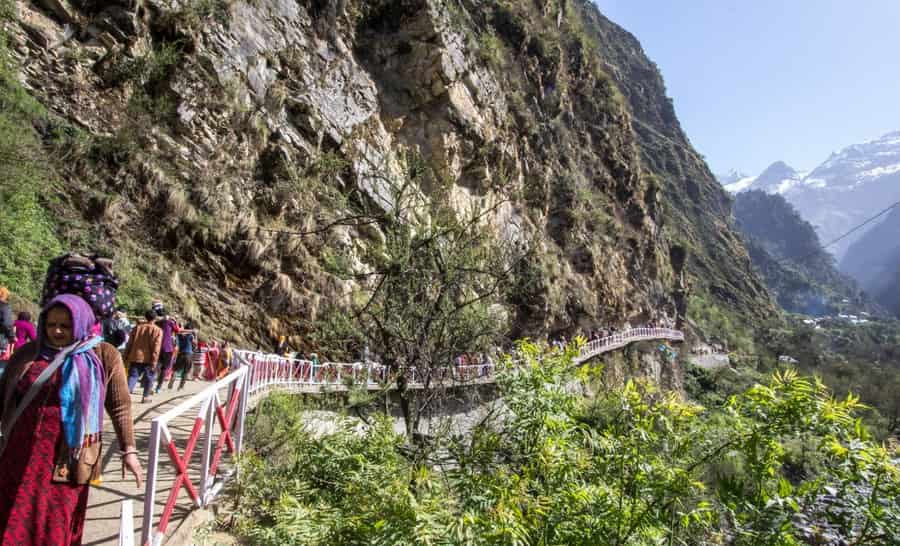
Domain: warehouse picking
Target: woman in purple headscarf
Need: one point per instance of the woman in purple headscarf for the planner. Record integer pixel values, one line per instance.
(53, 394)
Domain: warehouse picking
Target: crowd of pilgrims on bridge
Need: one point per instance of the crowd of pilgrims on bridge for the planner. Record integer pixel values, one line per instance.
(182, 353)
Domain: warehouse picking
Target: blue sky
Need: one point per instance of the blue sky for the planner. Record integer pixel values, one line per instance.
(755, 81)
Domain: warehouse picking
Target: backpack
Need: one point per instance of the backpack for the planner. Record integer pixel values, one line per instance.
(91, 278)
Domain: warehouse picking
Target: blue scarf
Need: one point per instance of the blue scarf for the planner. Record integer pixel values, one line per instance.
(82, 394)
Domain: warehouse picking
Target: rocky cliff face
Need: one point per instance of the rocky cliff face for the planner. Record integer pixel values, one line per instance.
(212, 143)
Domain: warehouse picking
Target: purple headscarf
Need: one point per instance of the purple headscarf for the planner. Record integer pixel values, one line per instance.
(83, 387)
(83, 319)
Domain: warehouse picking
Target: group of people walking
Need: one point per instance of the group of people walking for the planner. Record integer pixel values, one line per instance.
(55, 388)
(82, 359)
(151, 352)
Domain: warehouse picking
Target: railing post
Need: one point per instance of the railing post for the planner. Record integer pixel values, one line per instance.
(209, 417)
(126, 523)
(150, 489)
(244, 385)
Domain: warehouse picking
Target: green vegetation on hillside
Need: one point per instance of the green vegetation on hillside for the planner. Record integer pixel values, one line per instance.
(783, 463)
(721, 326)
(785, 249)
(27, 234)
(862, 359)
(37, 223)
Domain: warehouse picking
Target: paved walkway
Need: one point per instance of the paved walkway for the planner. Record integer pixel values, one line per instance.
(104, 503)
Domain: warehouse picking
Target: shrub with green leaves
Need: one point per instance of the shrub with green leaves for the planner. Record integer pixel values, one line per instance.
(629, 465)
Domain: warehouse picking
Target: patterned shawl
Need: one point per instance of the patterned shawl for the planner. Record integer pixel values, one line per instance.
(83, 388)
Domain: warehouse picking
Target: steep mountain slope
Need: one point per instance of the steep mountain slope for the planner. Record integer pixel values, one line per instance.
(696, 211)
(874, 260)
(216, 146)
(787, 252)
(842, 192)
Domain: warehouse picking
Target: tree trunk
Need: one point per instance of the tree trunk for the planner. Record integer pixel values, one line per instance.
(406, 406)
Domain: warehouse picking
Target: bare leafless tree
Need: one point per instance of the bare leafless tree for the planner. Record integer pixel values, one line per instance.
(433, 286)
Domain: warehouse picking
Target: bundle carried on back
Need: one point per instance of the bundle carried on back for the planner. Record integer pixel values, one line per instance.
(90, 277)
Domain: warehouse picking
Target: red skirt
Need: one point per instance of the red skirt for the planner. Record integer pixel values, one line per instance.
(33, 509)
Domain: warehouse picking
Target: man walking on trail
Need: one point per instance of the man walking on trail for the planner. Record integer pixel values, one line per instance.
(142, 353)
(187, 343)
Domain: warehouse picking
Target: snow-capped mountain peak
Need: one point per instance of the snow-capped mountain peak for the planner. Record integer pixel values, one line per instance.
(843, 191)
(740, 184)
(860, 163)
(779, 177)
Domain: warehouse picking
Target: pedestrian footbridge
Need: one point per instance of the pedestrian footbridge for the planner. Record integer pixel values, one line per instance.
(190, 437)
(306, 376)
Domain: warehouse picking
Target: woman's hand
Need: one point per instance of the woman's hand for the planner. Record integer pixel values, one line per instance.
(131, 462)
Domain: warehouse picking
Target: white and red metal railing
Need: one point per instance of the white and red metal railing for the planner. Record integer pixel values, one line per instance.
(221, 409)
(218, 426)
(271, 371)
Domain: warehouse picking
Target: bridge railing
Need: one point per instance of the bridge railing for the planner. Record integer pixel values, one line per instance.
(465, 373)
(267, 371)
(271, 371)
(619, 339)
(219, 411)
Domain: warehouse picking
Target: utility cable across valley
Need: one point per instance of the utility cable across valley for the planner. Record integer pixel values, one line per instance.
(850, 232)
